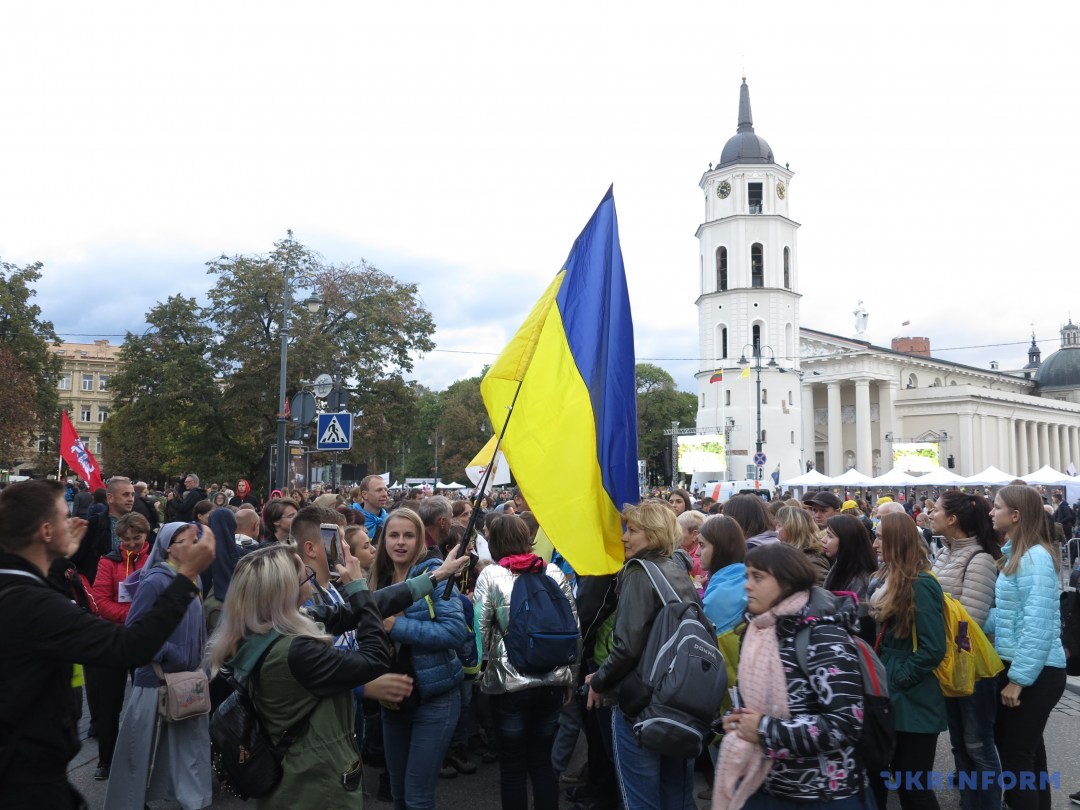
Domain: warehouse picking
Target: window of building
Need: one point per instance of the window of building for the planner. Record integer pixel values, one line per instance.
(64, 383)
(912, 381)
(723, 342)
(757, 339)
(103, 382)
(764, 396)
(757, 265)
(727, 397)
(793, 437)
(84, 413)
(702, 400)
(721, 269)
(787, 268)
(87, 382)
(764, 436)
(754, 196)
(789, 399)
(97, 445)
(43, 444)
(102, 414)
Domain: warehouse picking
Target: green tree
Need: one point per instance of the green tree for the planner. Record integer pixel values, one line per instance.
(365, 331)
(18, 402)
(463, 428)
(659, 403)
(26, 338)
(168, 397)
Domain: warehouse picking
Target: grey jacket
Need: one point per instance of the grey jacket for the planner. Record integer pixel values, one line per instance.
(491, 600)
(969, 574)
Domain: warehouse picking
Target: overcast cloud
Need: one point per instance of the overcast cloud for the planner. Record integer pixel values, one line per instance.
(463, 146)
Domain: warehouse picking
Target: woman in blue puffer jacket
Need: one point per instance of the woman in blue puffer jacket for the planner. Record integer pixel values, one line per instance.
(1027, 627)
(426, 637)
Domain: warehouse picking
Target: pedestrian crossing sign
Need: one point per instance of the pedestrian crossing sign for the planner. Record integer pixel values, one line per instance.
(335, 431)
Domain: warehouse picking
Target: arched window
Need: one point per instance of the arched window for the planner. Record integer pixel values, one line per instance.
(764, 436)
(912, 381)
(727, 397)
(723, 343)
(757, 265)
(787, 268)
(789, 341)
(757, 339)
(721, 269)
(793, 437)
(720, 350)
(764, 396)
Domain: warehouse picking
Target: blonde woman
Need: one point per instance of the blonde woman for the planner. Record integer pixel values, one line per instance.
(646, 779)
(797, 528)
(690, 526)
(302, 683)
(1027, 627)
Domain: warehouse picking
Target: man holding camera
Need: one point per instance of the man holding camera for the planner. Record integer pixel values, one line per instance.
(44, 635)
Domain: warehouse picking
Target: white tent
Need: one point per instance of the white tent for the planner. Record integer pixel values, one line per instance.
(991, 476)
(894, 478)
(853, 478)
(1048, 476)
(940, 477)
(453, 485)
(810, 479)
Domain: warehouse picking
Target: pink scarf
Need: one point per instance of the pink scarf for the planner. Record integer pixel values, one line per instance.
(742, 766)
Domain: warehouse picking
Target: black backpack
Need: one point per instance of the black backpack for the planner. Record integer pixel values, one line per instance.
(541, 632)
(247, 762)
(878, 739)
(680, 683)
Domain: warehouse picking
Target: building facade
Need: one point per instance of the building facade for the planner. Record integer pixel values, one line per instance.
(832, 403)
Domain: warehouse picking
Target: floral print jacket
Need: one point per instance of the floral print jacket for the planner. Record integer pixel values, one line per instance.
(813, 753)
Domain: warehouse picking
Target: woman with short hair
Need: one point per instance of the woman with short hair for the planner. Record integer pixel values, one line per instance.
(690, 525)
(792, 742)
(277, 520)
(647, 779)
(797, 528)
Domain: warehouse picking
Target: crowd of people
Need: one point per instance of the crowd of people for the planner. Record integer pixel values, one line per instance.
(370, 630)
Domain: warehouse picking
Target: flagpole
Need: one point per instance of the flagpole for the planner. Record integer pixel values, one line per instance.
(60, 453)
(479, 494)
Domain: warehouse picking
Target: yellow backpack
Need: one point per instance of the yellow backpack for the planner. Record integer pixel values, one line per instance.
(969, 655)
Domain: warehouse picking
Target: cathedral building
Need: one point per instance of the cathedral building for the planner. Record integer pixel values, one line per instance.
(788, 398)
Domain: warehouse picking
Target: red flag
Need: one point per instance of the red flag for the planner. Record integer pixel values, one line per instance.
(78, 458)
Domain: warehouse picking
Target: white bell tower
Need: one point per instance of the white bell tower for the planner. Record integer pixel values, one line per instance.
(749, 306)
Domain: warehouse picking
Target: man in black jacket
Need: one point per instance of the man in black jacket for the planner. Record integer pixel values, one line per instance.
(185, 509)
(100, 537)
(44, 635)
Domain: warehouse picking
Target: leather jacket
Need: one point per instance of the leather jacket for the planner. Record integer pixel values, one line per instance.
(638, 604)
(492, 595)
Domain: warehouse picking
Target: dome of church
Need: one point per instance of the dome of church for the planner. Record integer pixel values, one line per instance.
(1062, 368)
(745, 146)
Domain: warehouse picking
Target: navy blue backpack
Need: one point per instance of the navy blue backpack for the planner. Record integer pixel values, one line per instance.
(541, 634)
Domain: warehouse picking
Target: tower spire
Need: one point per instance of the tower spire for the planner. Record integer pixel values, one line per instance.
(746, 119)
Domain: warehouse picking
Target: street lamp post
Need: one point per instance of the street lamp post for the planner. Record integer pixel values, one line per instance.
(313, 303)
(757, 349)
(435, 442)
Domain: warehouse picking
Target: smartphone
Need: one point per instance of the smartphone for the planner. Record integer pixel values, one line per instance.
(332, 542)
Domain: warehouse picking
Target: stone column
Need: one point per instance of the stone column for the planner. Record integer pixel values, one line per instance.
(1005, 445)
(1022, 456)
(1033, 448)
(1074, 446)
(886, 421)
(1044, 445)
(808, 431)
(967, 442)
(982, 443)
(864, 448)
(836, 431)
(1063, 447)
(1055, 446)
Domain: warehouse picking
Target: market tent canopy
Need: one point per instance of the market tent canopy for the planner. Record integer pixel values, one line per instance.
(1048, 476)
(940, 477)
(991, 476)
(810, 479)
(853, 478)
(453, 485)
(894, 478)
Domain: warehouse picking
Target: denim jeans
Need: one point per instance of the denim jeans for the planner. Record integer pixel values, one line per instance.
(971, 732)
(648, 779)
(460, 736)
(571, 720)
(525, 724)
(415, 745)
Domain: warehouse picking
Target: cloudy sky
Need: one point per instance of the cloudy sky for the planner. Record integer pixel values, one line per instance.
(463, 146)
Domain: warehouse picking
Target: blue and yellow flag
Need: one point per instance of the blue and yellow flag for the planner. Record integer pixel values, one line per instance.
(572, 439)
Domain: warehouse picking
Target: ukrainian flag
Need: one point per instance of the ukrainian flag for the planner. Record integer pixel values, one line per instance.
(572, 439)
